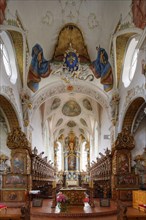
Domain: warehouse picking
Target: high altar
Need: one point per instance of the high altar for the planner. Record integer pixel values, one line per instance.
(71, 161)
(75, 195)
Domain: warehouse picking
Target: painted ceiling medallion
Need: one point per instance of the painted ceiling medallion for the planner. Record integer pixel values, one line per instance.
(81, 130)
(83, 122)
(71, 124)
(56, 103)
(59, 122)
(71, 108)
(87, 104)
(61, 131)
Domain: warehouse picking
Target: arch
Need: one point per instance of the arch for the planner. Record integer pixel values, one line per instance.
(57, 88)
(131, 112)
(9, 112)
(120, 40)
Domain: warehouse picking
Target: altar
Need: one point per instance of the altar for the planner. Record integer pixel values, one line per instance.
(76, 195)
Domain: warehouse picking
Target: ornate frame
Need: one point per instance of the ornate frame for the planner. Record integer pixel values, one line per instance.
(15, 181)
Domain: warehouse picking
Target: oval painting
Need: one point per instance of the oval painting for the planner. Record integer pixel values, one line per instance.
(56, 103)
(59, 122)
(87, 104)
(71, 108)
(83, 122)
(71, 124)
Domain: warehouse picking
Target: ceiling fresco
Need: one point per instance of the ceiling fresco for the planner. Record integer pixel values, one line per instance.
(69, 24)
(71, 124)
(87, 104)
(56, 103)
(71, 108)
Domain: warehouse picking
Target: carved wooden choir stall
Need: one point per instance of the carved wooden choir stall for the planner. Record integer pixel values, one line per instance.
(123, 180)
(42, 174)
(100, 173)
(28, 170)
(16, 183)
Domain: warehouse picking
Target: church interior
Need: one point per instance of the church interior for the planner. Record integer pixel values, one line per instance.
(73, 109)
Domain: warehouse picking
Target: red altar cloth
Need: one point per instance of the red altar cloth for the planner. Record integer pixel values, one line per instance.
(142, 207)
(2, 206)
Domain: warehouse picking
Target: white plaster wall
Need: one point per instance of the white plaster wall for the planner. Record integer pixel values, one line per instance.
(105, 126)
(11, 92)
(140, 139)
(3, 138)
(37, 132)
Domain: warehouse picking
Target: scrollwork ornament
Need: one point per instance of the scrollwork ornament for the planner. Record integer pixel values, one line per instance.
(125, 140)
(17, 139)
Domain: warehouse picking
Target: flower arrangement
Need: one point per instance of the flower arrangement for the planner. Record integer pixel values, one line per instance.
(62, 201)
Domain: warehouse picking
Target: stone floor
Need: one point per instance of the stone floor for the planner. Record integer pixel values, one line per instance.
(76, 212)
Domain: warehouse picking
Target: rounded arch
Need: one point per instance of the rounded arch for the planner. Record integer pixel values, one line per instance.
(58, 88)
(131, 112)
(9, 112)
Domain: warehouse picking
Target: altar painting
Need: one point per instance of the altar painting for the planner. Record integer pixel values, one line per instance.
(14, 181)
(18, 163)
(71, 162)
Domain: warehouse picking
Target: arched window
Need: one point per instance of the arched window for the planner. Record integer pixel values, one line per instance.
(59, 156)
(83, 157)
(8, 56)
(130, 61)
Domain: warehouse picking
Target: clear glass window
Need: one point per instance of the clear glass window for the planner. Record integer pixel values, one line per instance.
(130, 62)
(8, 56)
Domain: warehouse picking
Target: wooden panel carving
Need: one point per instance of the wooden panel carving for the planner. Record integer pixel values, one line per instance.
(15, 181)
(14, 195)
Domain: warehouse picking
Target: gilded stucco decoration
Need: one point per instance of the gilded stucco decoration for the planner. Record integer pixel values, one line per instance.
(71, 108)
(125, 140)
(56, 103)
(70, 33)
(121, 43)
(17, 139)
(71, 124)
(114, 104)
(87, 104)
(18, 44)
(9, 112)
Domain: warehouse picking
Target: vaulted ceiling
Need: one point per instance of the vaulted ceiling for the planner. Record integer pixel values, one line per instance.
(54, 25)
